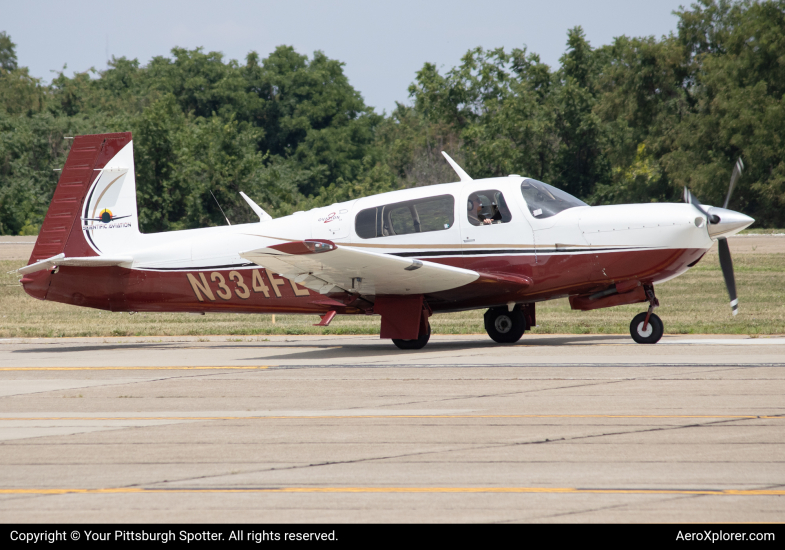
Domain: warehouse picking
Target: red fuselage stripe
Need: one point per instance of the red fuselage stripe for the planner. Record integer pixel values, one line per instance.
(255, 290)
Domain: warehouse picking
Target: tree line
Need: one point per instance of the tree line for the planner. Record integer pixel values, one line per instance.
(633, 121)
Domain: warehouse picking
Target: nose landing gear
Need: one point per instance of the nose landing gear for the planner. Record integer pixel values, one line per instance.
(646, 327)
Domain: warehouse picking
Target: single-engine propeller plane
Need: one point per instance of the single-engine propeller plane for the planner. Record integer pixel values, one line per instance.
(499, 244)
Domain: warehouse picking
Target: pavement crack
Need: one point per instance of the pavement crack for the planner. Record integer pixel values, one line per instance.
(627, 432)
(317, 465)
(598, 509)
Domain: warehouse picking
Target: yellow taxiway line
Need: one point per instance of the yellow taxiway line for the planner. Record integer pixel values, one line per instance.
(136, 368)
(545, 490)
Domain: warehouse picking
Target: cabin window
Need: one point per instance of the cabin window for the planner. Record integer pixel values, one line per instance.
(545, 200)
(402, 218)
(487, 208)
(365, 223)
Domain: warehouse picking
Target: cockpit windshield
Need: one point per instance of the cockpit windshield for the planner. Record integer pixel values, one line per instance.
(545, 200)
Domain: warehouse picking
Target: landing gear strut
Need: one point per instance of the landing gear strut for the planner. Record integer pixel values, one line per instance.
(504, 326)
(419, 343)
(646, 327)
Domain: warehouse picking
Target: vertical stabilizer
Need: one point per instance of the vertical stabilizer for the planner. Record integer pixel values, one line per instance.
(93, 210)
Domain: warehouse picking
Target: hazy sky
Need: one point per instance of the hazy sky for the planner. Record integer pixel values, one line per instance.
(382, 44)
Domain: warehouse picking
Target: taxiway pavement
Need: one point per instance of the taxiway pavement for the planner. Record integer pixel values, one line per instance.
(350, 429)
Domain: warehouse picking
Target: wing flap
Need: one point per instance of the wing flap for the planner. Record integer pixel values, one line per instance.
(323, 265)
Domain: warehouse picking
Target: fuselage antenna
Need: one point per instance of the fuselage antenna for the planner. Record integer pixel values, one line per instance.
(221, 209)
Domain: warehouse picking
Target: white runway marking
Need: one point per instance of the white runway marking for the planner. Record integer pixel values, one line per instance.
(728, 341)
(220, 415)
(29, 425)
(19, 387)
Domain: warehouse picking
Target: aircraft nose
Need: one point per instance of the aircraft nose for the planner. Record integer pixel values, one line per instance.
(730, 222)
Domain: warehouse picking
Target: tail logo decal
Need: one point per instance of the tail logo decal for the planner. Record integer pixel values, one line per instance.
(107, 221)
(106, 217)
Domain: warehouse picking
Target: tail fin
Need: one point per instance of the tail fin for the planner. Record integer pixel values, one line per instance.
(93, 211)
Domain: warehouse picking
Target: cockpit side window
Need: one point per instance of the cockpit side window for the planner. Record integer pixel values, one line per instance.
(545, 200)
(487, 207)
(402, 218)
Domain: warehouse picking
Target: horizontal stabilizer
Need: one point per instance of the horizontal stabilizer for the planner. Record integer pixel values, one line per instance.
(326, 267)
(87, 261)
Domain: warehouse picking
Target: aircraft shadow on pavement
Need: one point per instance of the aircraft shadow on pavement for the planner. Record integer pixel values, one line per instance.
(327, 351)
(105, 347)
(330, 351)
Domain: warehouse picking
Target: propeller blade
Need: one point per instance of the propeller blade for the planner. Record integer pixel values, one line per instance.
(689, 198)
(727, 272)
(737, 170)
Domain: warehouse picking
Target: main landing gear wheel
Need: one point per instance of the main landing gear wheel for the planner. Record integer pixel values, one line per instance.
(419, 343)
(653, 331)
(503, 326)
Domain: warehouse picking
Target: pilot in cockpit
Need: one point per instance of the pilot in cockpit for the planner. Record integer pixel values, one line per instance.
(480, 214)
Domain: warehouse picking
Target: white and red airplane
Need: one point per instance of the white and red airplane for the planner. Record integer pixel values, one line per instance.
(501, 244)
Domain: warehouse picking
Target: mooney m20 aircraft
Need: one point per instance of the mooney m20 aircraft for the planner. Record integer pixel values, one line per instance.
(501, 244)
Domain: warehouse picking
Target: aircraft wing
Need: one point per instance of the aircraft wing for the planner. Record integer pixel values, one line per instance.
(322, 265)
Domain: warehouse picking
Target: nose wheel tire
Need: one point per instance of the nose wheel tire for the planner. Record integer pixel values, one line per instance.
(503, 326)
(653, 331)
(419, 343)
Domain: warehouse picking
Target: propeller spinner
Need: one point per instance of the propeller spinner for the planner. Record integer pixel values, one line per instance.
(721, 222)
